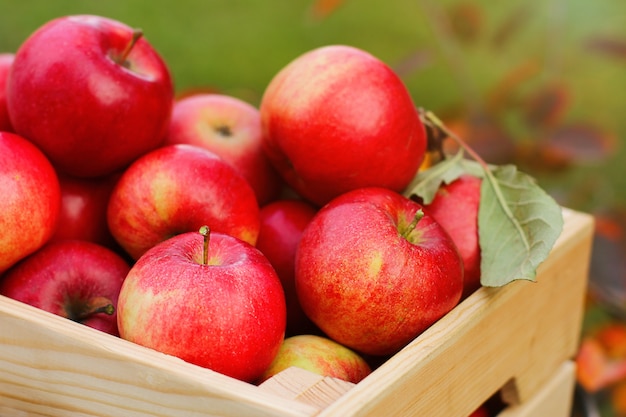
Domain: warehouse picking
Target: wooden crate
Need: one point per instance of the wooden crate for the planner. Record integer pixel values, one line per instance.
(516, 340)
(554, 399)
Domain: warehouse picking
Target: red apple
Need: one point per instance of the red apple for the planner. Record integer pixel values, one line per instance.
(320, 355)
(177, 189)
(481, 411)
(231, 128)
(373, 270)
(336, 119)
(30, 201)
(90, 93)
(282, 224)
(76, 279)
(83, 214)
(6, 60)
(220, 306)
(455, 207)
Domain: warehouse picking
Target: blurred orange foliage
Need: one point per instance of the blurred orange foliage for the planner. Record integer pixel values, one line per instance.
(601, 359)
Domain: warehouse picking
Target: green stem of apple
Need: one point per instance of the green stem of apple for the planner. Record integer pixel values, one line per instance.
(137, 34)
(205, 232)
(418, 216)
(94, 306)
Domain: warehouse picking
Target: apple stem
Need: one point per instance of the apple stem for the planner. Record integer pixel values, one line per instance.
(137, 34)
(94, 306)
(418, 216)
(205, 232)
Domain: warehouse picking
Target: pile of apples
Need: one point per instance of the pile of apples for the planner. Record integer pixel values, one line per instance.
(241, 239)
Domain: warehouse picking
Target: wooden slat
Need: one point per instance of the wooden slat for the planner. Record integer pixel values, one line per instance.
(308, 387)
(555, 398)
(55, 367)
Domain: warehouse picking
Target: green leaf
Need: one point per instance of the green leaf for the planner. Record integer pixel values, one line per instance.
(518, 224)
(427, 182)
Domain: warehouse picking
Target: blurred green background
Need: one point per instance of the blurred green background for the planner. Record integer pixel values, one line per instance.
(538, 83)
(455, 57)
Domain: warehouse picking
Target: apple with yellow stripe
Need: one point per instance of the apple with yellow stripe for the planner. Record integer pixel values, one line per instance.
(207, 298)
(177, 189)
(373, 270)
(31, 199)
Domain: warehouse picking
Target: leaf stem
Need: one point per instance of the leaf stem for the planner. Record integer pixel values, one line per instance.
(430, 118)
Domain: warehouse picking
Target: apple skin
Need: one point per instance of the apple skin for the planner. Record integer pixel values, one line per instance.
(6, 60)
(336, 119)
(90, 115)
(282, 224)
(320, 355)
(481, 411)
(366, 285)
(455, 208)
(69, 278)
(29, 207)
(83, 213)
(227, 315)
(177, 189)
(231, 128)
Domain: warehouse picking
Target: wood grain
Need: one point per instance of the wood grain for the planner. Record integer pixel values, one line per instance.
(555, 398)
(305, 386)
(55, 367)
